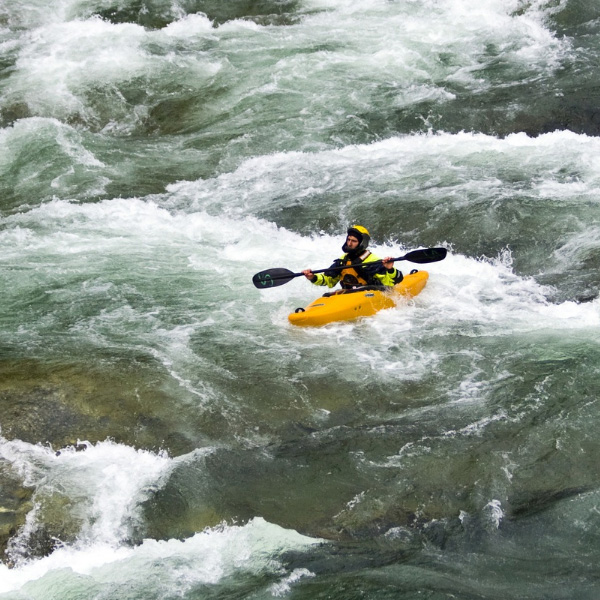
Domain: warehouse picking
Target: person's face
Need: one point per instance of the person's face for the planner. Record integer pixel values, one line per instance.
(351, 242)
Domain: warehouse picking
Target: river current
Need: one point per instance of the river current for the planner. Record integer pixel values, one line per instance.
(165, 432)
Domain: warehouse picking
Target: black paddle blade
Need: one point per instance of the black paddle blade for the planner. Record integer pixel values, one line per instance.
(272, 278)
(427, 255)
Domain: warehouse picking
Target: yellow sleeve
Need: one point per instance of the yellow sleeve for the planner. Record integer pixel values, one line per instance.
(322, 279)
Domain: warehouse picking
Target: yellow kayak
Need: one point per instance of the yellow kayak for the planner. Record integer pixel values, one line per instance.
(346, 305)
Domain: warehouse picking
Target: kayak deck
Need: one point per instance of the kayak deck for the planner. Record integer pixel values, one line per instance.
(346, 305)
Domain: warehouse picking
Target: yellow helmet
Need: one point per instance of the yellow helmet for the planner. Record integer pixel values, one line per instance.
(360, 229)
(361, 234)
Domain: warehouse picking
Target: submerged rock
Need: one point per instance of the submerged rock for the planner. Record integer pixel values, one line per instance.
(57, 406)
(14, 505)
(60, 404)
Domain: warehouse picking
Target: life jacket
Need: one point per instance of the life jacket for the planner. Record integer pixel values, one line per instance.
(352, 277)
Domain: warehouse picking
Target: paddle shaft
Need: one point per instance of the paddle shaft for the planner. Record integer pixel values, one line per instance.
(342, 267)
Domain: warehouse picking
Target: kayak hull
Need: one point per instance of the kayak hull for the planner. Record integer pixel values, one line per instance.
(347, 305)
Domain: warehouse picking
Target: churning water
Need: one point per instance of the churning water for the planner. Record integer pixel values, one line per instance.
(165, 433)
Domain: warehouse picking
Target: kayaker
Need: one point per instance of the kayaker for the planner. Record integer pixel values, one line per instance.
(358, 259)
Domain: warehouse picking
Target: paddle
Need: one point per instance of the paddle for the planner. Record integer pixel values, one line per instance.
(275, 277)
